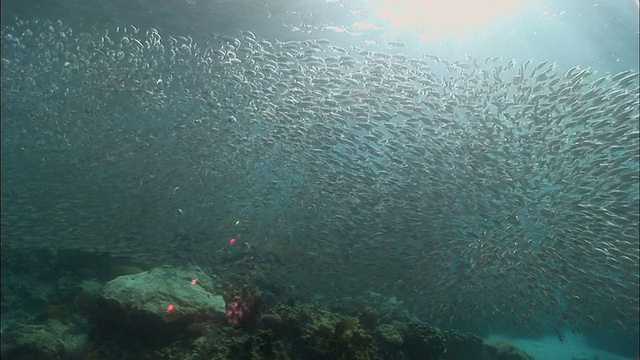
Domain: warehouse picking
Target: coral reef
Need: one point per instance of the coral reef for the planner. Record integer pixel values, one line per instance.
(51, 340)
(424, 341)
(463, 346)
(501, 350)
(171, 313)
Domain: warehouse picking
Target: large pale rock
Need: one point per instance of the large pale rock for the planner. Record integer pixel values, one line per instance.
(161, 301)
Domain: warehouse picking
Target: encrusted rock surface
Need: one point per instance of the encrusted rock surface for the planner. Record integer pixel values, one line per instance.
(161, 301)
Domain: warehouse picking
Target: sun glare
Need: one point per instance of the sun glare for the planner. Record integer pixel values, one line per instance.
(437, 18)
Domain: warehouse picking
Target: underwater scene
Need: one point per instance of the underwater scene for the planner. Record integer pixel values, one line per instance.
(320, 179)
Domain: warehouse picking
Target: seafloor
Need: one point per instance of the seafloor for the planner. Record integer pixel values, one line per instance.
(78, 305)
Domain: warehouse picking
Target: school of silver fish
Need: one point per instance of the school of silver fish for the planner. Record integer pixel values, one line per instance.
(481, 188)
